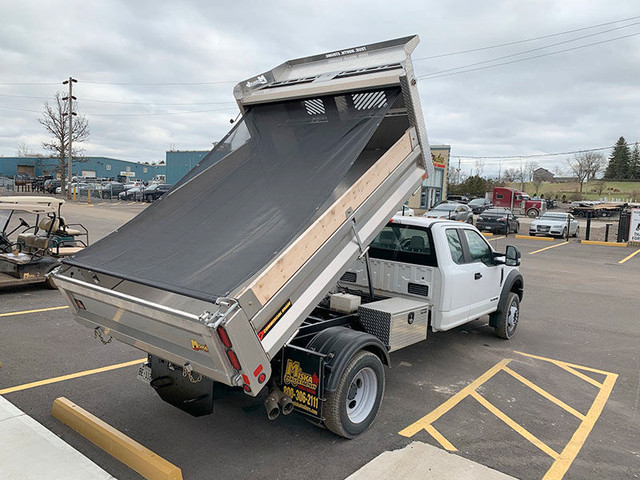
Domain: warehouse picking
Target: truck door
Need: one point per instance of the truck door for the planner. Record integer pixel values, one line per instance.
(487, 277)
(457, 284)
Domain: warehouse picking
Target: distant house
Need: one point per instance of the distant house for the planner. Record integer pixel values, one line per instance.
(542, 175)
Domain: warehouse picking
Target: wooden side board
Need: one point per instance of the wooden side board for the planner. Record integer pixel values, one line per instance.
(289, 261)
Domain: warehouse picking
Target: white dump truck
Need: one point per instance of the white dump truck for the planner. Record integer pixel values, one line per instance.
(273, 267)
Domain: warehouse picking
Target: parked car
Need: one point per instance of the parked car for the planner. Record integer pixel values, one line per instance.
(129, 194)
(452, 211)
(457, 198)
(498, 220)
(479, 205)
(112, 189)
(555, 225)
(405, 211)
(155, 191)
(51, 185)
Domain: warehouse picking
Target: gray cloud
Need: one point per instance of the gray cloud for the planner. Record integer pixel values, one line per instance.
(580, 99)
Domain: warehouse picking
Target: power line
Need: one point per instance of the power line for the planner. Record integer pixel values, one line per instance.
(174, 84)
(529, 51)
(534, 155)
(429, 76)
(123, 103)
(524, 41)
(155, 114)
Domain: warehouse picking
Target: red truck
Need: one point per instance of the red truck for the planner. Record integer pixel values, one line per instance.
(517, 202)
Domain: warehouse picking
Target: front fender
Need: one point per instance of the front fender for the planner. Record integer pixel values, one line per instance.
(513, 283)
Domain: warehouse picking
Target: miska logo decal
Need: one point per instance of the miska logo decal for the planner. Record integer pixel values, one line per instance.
(295, 377)
(260, 80)
(199, 346)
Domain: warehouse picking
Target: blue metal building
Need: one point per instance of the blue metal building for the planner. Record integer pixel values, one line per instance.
(99, 167)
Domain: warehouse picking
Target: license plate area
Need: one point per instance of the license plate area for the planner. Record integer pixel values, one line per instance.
(193, 395)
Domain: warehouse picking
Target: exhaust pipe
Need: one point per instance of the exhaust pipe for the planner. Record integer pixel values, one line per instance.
(285, 403)
(271, 406)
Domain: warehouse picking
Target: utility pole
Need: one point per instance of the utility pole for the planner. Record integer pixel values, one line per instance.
(70, 113)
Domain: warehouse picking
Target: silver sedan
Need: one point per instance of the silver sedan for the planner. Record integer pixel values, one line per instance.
(555, 224)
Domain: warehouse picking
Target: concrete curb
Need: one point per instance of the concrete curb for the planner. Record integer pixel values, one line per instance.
(420, 461)
(607, 244)
(529, 237)
(114, 442)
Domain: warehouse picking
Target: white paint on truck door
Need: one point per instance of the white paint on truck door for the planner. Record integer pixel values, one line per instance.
(486, 276)
(457, 285)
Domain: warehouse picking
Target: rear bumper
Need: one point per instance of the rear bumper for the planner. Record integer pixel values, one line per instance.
(180, 337)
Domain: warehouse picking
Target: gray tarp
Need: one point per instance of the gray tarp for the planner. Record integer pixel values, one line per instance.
(225, 221)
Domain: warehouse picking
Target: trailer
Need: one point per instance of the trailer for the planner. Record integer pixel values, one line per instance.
(242, 279)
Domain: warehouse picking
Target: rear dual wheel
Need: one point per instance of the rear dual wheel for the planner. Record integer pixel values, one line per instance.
(352, 407)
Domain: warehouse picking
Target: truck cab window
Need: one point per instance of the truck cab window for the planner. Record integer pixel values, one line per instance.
(478, 248)
(455, 246)
(404, 243)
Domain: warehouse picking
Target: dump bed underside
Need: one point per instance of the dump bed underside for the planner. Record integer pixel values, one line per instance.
(215, 231)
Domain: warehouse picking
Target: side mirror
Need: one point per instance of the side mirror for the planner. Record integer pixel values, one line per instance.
(512, 257)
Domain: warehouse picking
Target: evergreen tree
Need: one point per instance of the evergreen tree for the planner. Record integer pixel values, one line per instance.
(619, 161)
(634, 163)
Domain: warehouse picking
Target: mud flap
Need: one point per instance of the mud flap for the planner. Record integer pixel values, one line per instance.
(303, 380)
(178, 390)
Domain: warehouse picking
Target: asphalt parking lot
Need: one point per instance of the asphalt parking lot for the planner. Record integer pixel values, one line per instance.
(559, 400)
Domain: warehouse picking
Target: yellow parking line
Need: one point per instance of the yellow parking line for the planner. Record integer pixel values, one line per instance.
(497, 238)
(629, 256)
(570, 452)
(515, 426)
(431, 417)
(62, 378)
(544, 393)
(38, 310)
(547, 248)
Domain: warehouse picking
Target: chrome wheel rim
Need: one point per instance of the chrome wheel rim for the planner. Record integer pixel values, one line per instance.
(512, 318)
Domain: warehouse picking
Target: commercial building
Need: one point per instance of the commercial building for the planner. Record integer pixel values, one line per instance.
(98, 167)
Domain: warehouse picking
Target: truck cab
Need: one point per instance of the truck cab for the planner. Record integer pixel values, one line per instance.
(518, 202)
(449, 264)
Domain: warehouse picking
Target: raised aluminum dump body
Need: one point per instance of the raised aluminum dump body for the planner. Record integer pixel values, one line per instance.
(255, 235)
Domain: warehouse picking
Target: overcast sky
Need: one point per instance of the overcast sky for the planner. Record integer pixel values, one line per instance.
(579, 99)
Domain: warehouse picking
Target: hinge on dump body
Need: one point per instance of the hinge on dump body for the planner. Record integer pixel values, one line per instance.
(213, 320)
(350, 216)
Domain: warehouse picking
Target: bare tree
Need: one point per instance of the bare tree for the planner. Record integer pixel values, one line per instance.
(529, 168)
(511, 174)
(55, 122)
(24, 150)
(585, 166)
(479, 167)
(500, 163)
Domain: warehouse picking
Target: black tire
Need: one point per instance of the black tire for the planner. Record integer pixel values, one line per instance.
(532, 234)
(575, 235)
(532, 213)
(345, 417)
(565, 234)
(515, 230)
(508, 317)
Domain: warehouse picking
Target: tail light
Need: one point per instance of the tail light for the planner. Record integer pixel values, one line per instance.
(235, 363)
(226, 341)
(224, 338)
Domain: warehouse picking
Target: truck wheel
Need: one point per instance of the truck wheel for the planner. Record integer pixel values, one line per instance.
(508, 318)
(532, 213)
(352, 407)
